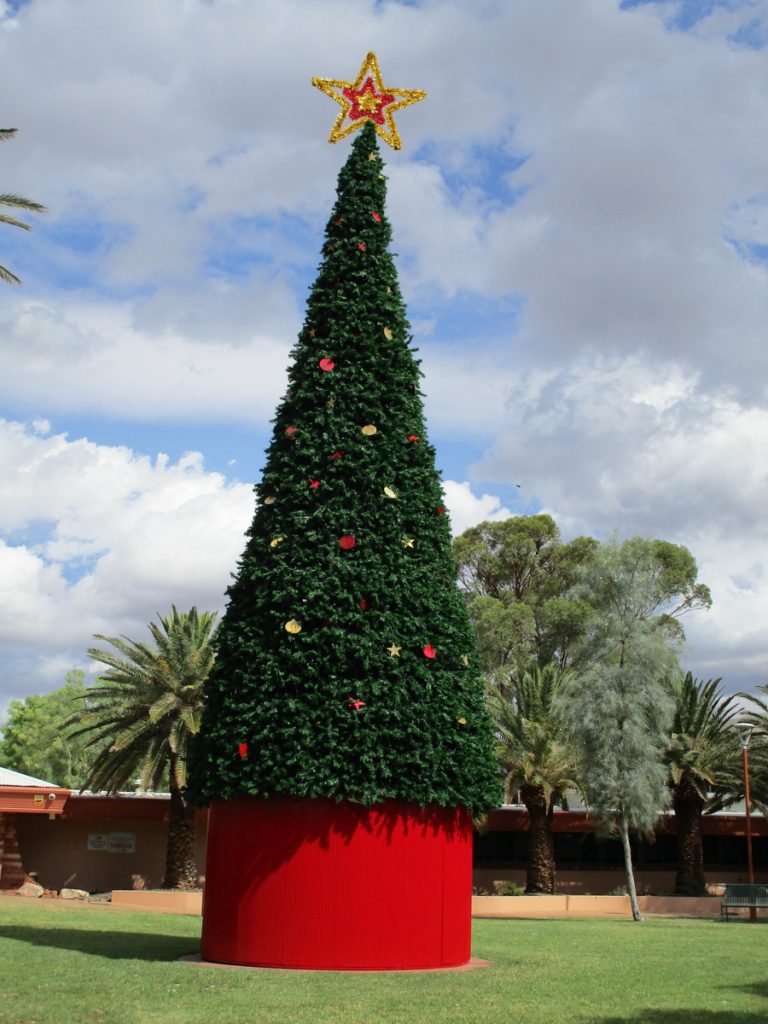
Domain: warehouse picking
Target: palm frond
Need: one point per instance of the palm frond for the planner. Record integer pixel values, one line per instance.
(533, 740)
(21, 203)
(148, 701)
(8, 277)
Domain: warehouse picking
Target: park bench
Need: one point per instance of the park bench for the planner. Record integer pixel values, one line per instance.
(744, 896)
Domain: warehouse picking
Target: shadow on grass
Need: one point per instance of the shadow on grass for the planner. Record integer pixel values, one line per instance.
(110, 945)
(687, 1017)
(757, 988)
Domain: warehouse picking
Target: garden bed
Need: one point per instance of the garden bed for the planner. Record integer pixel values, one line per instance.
(561, 906)
(166, 901)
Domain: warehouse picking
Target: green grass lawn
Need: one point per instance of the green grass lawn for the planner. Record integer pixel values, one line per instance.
(99, 966)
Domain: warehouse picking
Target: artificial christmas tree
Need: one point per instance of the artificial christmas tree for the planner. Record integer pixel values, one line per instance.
(344, 744)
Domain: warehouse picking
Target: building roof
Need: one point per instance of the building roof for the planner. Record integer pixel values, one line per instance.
(11, 778)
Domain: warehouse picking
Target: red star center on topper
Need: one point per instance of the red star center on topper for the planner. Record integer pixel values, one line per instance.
(367, 99)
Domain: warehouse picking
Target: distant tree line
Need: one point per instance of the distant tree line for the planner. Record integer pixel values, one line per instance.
(580, 644)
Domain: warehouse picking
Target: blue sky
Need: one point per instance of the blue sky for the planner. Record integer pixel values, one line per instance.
(581, 215)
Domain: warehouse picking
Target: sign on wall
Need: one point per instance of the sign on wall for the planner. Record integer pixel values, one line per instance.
(122, 842)
(112, 842)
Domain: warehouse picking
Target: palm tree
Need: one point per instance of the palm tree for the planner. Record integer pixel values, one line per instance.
(758, 749)
(142, 715)
(539, 759)
(19, 203)
(702, 758)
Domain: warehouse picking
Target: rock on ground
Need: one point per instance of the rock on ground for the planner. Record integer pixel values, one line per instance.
(73, 894)
(30, 889)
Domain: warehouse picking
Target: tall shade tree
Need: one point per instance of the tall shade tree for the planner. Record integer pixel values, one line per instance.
(538, 755)
(35, 738)
(702, 758)
(517, 576)
(620, 702)
(15, 202)
(142, 716)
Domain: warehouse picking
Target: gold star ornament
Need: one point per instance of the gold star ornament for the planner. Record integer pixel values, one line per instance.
(367, 99)
(394, 651)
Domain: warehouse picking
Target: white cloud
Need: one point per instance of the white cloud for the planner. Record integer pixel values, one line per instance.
(165, 360)
(467, 509)
(731, 640)
(636, 445)
(640, 447)
(180, 150)
(100, 540)
(645, 150)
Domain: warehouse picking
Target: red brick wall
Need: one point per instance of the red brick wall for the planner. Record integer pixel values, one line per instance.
(11, 868)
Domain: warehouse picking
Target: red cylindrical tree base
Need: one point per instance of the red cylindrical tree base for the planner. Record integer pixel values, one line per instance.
(320, 885)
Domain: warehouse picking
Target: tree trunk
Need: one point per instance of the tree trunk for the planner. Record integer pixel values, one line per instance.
(180, 867)
(688, 805)
(636, 915)
(540, 876)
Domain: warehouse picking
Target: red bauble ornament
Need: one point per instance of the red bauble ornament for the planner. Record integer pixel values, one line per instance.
(440, 510)
(314, 484)
(243, 750)
(290, 433)
(347, 542)
(414, 438)
(326, 364)
(364, 604)
(361, 246)
(338, 455)
(429, 651)
(376, 216)
(356, 703)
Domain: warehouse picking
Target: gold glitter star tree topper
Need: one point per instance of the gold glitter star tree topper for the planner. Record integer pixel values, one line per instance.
(367, 99)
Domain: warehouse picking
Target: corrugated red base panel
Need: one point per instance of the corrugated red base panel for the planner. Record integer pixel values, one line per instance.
(320, 885)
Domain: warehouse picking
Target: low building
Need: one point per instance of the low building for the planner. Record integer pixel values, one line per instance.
(103, 842)
(23, 797)
(97, 842)
(588, 863)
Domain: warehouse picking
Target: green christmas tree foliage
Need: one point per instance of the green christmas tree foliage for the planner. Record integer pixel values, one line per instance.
(346, 664)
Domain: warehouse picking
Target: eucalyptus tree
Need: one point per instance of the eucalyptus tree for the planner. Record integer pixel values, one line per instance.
(538, 756)
(36, 742)
(621, 703)
(142, 714)
(703, 761)
(517, 575)
(15, 202)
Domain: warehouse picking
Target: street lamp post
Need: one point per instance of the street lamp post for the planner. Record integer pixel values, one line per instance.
(745, 737)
